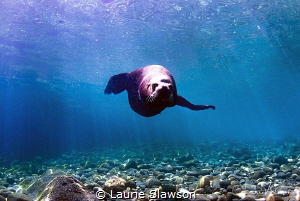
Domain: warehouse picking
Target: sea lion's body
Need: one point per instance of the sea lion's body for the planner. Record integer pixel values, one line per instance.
(150, 90)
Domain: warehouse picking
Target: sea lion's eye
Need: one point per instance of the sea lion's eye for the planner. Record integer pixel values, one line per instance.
(165, 81)
(154, 86)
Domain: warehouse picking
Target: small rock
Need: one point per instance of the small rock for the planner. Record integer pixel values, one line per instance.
(153, 182)
(144, 166)
(204, 182)
(225, 183)
(189, 164)
(233, 177)
(142, 185)
(268, 170)
(4, 183)
(248, 199)
(259, 174)
(263, 184)
(212, 197)
(105, 165)
(284, 190)
(216, 184)
(249, 187)
(178, 180)
(222, 198)
(185, 158)
(131, 164)
(231, 196)
(201, 198)
(296, 171)
(285, 167)
(10, 180)
(192, 187)
(280, 159)
(89, 164)
(274, 197)
(161, 176)
(193, 173)
(235, 183)
(189, 178)
(168, 188)
(281, 175)
(115, 184)
(274, 165)
(206, 171)
(18, 197)
(167, 168)
(216, 173)
(102, 170)
(200, 191)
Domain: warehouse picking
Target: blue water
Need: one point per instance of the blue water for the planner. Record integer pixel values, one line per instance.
(57, 56)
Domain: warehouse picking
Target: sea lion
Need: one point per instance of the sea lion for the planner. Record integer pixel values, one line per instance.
(150, 90)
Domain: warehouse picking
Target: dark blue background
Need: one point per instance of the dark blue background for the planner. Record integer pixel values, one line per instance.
(57, 56)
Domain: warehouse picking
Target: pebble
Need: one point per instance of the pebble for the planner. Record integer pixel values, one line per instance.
(215, 184)
(296, 171)
(193, 173)
(168, 188)
(225, 183)
(131, 164)
(10, 181)
(280, 159)
(152, 182)
(167, 169)
(263, 185)
(115, 184)
(281, 175)
(102, 170)
(204, 182)
(259, 174)
(249, 187)
(268, 170)
(212, 197)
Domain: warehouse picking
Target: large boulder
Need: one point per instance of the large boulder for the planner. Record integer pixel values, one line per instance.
(66, 188)
(35, 185)
(56, 185)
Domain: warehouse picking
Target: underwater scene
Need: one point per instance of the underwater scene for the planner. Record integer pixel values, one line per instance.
(89, 108)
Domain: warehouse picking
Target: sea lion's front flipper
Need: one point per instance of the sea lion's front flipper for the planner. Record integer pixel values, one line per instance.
(185, 103)
(116, 84)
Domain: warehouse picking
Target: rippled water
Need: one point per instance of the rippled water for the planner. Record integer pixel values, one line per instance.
(56, 57)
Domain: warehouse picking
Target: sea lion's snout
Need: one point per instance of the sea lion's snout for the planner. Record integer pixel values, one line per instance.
(165, 89)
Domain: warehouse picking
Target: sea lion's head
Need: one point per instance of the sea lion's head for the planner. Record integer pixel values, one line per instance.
(159, 91)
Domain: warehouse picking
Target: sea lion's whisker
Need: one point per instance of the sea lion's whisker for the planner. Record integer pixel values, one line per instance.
(150, 98)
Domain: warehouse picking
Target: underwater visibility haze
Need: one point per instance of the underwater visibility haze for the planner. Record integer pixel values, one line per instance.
(57, 56)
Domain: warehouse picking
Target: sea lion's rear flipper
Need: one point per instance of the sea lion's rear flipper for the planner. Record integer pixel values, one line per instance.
(185, 103)
(116, 84)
